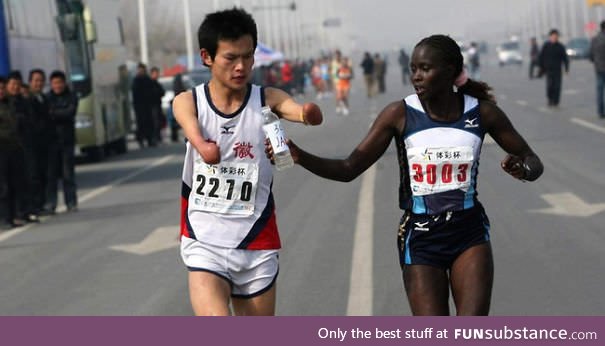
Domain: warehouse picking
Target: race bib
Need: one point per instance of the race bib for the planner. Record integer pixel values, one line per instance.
(434, 170)
(226, 188)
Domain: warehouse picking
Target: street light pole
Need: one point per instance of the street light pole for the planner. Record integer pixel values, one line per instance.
(143, 33)
(574, 18)
(278, 40)
(586, 18)
(188, 38)
(563, 15)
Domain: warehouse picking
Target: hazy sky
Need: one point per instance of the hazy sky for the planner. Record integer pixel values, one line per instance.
(393, 23)
(381, 25)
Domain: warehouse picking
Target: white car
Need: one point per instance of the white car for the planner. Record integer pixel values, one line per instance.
(509, 53)
(166, 83)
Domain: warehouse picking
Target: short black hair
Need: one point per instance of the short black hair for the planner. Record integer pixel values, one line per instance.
(449, 52)
(15, 74)
(57, 74)
(553, 31)
(603, 25)
(225, 25)
(37, 70)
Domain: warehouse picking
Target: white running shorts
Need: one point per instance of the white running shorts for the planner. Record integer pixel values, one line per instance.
(249, 272)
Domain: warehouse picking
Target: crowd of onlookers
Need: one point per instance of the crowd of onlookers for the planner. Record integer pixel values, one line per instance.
(37, 139)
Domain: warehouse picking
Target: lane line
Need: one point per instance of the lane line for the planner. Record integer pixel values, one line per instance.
(92, 194)
(587, 124)
(101, 190)
(521, 102)
(362, 281)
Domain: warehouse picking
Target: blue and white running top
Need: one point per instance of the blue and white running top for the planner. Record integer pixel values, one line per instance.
(439, 160)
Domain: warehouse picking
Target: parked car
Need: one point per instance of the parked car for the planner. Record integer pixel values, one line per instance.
(578, 48)
(199, 76)
(509, 53)
(166, 83)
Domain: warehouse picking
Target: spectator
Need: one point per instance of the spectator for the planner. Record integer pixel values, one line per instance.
(367, 65)
(158, 117)
(597, 56)
(11, 165)
(534, 53)
(63, 105)
(142, 96)
(380, 69)
(41, 129)
(404, 61)
(23, 113)
(552, 58)
(473, 61)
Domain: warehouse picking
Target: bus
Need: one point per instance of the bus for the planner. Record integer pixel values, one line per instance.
(84, 38)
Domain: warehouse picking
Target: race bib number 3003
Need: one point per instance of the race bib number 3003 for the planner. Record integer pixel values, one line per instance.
(434, 170)
(226, 188)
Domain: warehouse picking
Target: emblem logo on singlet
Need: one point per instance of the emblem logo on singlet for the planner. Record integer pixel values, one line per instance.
(421, 226)
(470, 123)
(226, 130)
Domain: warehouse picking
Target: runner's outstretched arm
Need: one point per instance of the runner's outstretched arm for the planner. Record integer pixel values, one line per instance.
(287, 108)
(371, 148)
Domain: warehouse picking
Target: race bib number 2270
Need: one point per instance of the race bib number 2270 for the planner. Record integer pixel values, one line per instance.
(226, 188)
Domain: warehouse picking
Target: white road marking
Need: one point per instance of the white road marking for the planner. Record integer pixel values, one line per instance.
(521, 102)
(571, 92)
(362, 282)
(162, 238)
(568, 204)
(503, 97)
(587, 124)
(92, 194)
(544, 110)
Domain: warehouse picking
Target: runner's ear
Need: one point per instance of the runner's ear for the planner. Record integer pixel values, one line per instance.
(206, 58)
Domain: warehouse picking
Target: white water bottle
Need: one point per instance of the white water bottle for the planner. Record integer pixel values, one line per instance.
(277, 136)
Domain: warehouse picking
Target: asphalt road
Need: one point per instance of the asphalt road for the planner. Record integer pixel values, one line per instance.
(118, 254)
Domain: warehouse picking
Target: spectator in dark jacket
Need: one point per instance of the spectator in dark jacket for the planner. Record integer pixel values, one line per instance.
(553, 58)
(158, 116)
(534, 53)
(597, 56)
(143, 91)
(63, 105)
(41, 131)
(367, 65)
(21, 109)
(12, 161)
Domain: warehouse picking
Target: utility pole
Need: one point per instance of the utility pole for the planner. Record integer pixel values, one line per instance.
(565, 23)
(574, 18)
(188, 36)
(143, 33)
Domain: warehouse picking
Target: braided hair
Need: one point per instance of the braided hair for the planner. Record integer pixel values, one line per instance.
(450, 53)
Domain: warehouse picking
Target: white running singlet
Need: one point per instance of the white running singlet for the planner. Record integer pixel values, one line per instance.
(230, 204)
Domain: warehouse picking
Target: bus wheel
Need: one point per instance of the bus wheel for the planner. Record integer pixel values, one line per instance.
(121, 146)
(96, 154)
